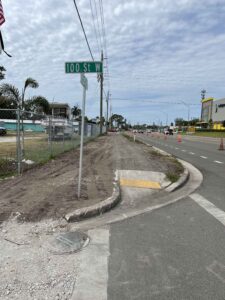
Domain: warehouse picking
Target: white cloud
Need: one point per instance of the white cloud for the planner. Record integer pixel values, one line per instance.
(167, 49)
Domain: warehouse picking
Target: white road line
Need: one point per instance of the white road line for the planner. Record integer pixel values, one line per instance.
(209, 207)
(204, 157)
(92, 278)
(177, 148)
(192, 153)
(184, 150)
(218, 162)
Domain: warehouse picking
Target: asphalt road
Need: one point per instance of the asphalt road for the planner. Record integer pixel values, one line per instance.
(174, 252)
(177, 252)
(203, 155)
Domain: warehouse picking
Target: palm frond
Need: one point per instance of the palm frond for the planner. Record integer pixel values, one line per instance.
(30, 82)
(10, 91)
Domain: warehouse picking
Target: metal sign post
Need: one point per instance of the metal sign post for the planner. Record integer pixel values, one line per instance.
(83, 67)
(84, 82)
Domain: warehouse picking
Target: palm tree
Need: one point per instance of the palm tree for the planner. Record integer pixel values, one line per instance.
(37, 104)
(76, 111)
(13, 94)
(29, 82)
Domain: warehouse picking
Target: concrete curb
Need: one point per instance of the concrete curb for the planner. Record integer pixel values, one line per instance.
(181, 181)
(96, 209)
(184, 177)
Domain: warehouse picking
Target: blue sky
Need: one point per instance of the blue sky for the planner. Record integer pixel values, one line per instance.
(160, 52)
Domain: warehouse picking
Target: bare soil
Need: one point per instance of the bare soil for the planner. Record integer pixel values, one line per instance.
(50, 191)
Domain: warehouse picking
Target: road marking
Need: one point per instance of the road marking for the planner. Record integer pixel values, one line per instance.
(204, 157)
(139, 183)
(209, 207)
(218, 162)
(177, 148)
(192, 153)
(94, 260)
(184, 150)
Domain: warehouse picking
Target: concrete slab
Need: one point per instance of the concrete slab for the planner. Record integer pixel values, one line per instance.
(139, 186)
(143, 179)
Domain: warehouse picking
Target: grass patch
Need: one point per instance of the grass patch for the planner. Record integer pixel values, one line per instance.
(155, 153)
(175, 170)
(210, 134)
(172, 177)
(7, 167)
(38, 150)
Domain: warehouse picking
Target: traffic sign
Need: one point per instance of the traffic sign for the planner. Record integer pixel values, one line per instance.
(83, 67)
(84, 81)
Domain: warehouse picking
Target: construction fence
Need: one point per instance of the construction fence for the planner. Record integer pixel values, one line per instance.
(28, 139)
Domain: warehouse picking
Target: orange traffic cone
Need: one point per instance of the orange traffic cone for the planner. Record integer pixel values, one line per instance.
(179, 139)
(221, 146)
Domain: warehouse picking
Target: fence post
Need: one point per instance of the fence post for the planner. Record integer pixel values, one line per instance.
(18, 142)
(63, 135)
(50, 134)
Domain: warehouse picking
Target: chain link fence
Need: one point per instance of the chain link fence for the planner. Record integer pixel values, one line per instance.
(28, 139)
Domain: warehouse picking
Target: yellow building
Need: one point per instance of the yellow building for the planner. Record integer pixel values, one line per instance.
(207, 109)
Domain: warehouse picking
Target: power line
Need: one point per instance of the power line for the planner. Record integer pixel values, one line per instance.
(97, 38)
(104, 33)
(157, 103)
(98, 26)
(104, 40)
(83, 29)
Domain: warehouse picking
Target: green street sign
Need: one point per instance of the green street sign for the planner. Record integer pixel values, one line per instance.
(83, 67)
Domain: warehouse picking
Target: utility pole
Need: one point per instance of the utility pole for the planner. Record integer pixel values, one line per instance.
(107, 112)
(101, 95)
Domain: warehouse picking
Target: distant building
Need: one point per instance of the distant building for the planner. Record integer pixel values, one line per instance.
(213, 111)
(60, 110)
(218, 114)
(207, 108)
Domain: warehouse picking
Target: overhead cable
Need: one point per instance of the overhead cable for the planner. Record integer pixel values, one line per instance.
(83, 29)
(96, 35)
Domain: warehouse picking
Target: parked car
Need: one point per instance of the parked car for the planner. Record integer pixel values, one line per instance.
(3, 131)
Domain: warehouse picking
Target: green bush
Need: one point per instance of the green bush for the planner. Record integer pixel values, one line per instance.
(208, 130)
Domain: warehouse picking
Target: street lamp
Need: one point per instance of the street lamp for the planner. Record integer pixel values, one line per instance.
(188, 106)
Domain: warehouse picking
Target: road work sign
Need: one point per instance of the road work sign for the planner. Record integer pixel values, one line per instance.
(83, 67)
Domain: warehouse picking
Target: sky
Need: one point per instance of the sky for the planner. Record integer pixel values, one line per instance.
(160, 54)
